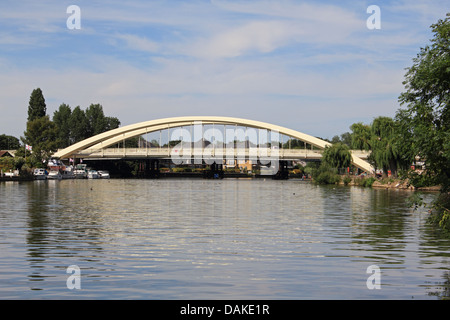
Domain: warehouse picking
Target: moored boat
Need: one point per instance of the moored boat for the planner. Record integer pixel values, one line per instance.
(92, 174)
(103, 174)
(40, 174)
(54, 175)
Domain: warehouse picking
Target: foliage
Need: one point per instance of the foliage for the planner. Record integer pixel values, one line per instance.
(9, 163)
(440, 212)
(361, 136)
(347, 180)
(325, 174)
(9, 142)
(61, 118)
(36, 107)
(294, 144)
(365, 181)
(337, 156)
(381, 138)
(425, 122)
(41, 134)
(76, 125)
(385, 152)
(345, 138)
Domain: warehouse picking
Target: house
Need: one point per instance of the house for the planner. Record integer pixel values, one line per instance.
(7, 153)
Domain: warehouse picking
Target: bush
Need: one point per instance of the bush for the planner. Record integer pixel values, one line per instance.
(325, 175)
(365, 182)
(369, 182)
(347, 180)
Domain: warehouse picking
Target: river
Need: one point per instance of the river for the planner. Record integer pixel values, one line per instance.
(215, 239)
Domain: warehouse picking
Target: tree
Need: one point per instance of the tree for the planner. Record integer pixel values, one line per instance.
(385, 152)
(41, 134)
(345, 138)
(9, 142)
(361, 136)
(79, 127)
(425, 123)
(381, 139)
(98, 122)
(111, 123)
(36, 107)
(61, 118)
(337, 156)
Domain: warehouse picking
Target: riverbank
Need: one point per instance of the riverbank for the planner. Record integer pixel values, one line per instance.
(387, 183)
(16, 178)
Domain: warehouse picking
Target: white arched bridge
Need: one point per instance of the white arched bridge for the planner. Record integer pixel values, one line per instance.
(205, 138)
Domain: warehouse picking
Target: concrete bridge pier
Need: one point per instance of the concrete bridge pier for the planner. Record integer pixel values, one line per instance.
(283, 172)
(151, 169)
(214, 172)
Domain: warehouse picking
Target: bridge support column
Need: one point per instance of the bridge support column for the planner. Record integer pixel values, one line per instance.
(215, 172)
(283, 172)
(151, 168)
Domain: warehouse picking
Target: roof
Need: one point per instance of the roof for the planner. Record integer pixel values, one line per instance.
(6, 153)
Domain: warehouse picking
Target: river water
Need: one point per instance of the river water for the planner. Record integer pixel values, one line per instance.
(215, 239)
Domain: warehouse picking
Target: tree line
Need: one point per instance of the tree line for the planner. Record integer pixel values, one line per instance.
(67, 126)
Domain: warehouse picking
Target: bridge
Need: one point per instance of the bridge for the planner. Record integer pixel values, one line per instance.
(211, 139)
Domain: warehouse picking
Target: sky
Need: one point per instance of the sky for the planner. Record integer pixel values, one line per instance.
(311, 66)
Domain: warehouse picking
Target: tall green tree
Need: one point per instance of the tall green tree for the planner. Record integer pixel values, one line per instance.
(96, 119)
(42, 135)
(361, 136)
(384, 145)
(36, 106)
(61, 118)
(79, 127)
(425, 122)
(381, 139)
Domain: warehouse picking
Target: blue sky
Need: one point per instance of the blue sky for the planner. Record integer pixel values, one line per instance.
(312, 66)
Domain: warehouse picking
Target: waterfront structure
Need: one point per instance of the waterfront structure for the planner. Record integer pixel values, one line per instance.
(189, 132)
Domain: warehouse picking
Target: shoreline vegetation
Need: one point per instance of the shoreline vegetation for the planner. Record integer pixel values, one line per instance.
(344, 180)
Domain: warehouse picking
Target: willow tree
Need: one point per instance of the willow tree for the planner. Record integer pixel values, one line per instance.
(337, 156)
(381, 139)
(361, 136)
(386, 153)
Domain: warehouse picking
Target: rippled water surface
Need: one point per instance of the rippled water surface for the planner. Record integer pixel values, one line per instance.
(215, 239)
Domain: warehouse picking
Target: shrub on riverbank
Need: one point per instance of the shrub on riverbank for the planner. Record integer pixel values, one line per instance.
(365, 181)
(325, 174)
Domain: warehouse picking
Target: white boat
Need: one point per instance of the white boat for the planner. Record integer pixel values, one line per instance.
(103, 174)
(40, 174)
(68, 174)
(80, 174)
(92, 174)
(80, 171)
(54, 175)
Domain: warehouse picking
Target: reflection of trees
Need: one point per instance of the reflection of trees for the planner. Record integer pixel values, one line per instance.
(38, 222)
(51, 224)
(432, 248)
(388, 217)
(443, 292)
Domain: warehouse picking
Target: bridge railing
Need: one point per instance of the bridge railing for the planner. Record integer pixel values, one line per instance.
(247, 153)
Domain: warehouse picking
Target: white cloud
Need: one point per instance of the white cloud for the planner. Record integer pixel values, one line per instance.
(135, 42)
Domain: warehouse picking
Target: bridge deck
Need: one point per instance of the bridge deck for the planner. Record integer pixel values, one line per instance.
(236, 153)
